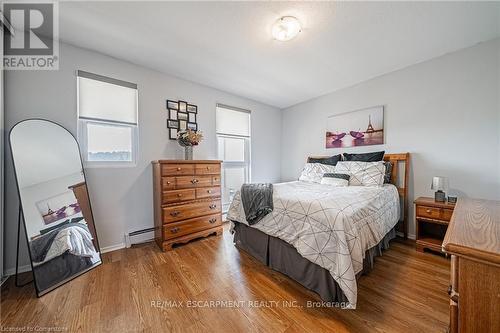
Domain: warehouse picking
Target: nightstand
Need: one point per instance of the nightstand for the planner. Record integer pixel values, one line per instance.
(431, 220)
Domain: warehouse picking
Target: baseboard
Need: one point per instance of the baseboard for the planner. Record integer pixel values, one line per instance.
(3, 279)
(410, 236)
(112, 248)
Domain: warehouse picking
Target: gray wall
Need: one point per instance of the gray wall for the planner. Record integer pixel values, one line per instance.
(445, 112)
(122, 197)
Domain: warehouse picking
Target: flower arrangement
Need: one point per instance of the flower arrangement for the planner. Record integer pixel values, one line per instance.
(189, 138)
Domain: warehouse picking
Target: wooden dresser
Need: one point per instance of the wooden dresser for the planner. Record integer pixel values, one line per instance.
(473, 240)
(187, 203)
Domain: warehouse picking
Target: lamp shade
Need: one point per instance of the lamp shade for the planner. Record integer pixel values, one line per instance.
(439, 183)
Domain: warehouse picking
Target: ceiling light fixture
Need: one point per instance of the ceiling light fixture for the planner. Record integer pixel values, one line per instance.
(286, 28)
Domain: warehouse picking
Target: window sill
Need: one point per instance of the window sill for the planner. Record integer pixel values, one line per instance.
(102, 165)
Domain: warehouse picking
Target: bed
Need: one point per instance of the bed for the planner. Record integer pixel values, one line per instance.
(61, 253)
(326, 237)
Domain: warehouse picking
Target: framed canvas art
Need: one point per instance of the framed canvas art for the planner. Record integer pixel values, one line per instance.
(363, 127)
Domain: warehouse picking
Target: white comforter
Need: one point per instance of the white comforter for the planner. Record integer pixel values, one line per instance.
(330, 226)
(75, 240)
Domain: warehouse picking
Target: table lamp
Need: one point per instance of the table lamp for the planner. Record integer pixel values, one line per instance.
(439, 184)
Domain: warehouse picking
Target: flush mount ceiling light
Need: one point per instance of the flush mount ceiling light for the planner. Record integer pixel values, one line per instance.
(286, 28)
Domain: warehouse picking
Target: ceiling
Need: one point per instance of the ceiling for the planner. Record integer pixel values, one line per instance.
(228, 45)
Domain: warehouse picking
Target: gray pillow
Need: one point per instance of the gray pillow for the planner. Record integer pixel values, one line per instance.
(332, 160)
(365, 157)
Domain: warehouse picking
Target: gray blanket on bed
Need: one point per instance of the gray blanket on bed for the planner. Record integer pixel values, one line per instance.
(41, 245)
(257, 201)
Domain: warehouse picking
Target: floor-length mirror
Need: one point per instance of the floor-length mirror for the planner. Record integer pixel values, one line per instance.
(58, 218)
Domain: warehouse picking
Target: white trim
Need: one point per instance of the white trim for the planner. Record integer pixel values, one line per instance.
(112, 248)
(3, 279)
(410, 236)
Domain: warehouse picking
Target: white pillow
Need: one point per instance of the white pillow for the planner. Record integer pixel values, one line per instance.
(313, 172)
(362, 173)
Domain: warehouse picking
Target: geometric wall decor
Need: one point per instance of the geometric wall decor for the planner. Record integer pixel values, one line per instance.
(181, 116)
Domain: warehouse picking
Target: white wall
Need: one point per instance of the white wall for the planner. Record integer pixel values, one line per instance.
(122, 197)
(445, 112)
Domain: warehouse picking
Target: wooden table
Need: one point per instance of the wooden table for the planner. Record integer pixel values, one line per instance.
(431, 221)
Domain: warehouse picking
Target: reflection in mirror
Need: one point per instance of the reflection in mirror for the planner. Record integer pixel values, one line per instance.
(55, 203)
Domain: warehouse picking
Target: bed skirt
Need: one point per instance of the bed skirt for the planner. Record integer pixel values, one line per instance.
(284, 258)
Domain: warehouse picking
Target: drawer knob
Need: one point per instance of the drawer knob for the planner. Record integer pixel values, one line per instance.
(175, 230)
(175, 213)
(209, 191)
(428, 211)
(208, 168)
(215, 178)
(168, 183)
(194, 181)
(212, 206)
(179, 195)
(213, 220)
(178, 169)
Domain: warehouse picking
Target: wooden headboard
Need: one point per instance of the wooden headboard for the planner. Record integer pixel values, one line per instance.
(397, 160)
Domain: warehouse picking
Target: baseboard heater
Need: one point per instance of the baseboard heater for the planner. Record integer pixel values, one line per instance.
(139, 237)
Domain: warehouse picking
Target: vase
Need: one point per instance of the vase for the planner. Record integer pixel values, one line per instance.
(188, 153)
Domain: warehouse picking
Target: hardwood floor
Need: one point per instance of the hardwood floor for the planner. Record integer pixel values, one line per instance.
(142, 289)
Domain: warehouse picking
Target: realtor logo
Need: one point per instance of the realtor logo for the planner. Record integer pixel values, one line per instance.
(31, 36)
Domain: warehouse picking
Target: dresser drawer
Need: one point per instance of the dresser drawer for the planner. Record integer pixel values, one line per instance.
(185, 182)
(190, 210)
(168, 183)
(207, 169)
(203, 181)
(182, 182)
(177, 169)
(207, 192)
(178, 196)
(430, 212)
(177, 229)
(434, 213)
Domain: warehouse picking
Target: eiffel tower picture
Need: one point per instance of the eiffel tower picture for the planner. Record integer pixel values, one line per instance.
(370, 127)
(363, 127)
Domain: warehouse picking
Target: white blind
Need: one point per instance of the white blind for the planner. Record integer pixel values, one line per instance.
(232, 121)
(103, 98)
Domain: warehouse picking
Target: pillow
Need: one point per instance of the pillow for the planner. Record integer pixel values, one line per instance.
(365, 157)
(332, 160)
(335, 179)
(388, 172)
(313, 172)
(362, 173)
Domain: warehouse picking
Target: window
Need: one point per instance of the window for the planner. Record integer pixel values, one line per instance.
(233, 142)
(107, 120)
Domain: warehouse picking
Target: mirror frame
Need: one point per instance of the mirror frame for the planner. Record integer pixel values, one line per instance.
(57, 285)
